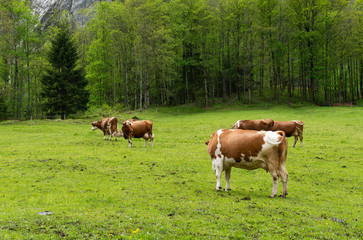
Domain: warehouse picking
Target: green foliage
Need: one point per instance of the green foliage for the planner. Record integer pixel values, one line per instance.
(63, 85)
(145, 53)
(96, 189)
(19, 41)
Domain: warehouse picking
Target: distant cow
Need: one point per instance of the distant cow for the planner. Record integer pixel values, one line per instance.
(138, 129)
(291, 128)
(108, 126)
(258, 125)
(249, 150)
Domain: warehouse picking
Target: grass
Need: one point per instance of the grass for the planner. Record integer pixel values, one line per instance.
(96, 189)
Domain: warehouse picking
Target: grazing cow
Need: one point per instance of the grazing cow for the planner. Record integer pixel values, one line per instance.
(291, 128)
(258, 125)
(108, 126)
(138, 129)
(250, 150)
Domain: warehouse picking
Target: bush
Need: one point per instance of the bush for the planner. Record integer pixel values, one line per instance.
(104, 111)
(359, 102)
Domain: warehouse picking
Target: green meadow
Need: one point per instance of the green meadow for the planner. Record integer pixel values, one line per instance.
(89, 188)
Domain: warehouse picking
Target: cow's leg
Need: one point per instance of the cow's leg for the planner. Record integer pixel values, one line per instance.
(104, 135)
(295, 141)
(218, 168)
(152, 139)
(130, 142)
(115, 135)
(284, 176)
(301, 138)
(275, 180)
(227, 175)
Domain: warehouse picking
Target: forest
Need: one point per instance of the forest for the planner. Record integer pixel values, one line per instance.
(141, 53)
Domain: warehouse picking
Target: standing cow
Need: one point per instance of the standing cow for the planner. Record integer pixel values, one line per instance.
(291, 128)
(258, 125)
(108, 126)
(249, 150)
(138, 129)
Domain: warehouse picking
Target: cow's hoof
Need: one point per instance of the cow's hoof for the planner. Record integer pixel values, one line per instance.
(272, 195)
(283, 195)
(228, 189)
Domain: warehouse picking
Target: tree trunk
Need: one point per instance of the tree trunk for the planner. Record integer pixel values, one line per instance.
(141, 83)
(205, 89)
(340, 81)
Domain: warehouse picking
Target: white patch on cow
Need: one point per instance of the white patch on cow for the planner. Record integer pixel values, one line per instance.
(218, 150)
(94, 128)
(228, 162)
(214, 163)
(238, 123)
(272, 138)
(129, 122)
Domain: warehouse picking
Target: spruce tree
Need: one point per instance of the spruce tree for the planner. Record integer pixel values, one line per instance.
(63, 84)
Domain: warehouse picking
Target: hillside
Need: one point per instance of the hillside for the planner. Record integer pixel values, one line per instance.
(45, 8)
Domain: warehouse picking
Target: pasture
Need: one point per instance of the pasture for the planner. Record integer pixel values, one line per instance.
(89, 188)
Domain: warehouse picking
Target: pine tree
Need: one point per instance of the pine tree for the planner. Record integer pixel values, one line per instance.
(63, 84)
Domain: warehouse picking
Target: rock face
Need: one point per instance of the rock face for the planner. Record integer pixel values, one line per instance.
(46, 8)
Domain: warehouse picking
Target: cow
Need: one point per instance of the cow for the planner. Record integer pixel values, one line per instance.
(291, 128)
(258, 125)
(249, 149)
(108, 126)
(138, 129)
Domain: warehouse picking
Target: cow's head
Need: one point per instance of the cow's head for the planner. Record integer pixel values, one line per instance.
(127, 129)
(95, 125)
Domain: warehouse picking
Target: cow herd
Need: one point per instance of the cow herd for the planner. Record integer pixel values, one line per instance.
(250, 144)
(130, 128)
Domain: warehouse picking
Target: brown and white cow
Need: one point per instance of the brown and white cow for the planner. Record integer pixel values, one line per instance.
(138, 129)
(249, 150)
(291, 128)
(258, 125)
(108, 126)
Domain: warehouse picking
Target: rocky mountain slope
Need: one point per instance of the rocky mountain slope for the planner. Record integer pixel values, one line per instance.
(45, 8)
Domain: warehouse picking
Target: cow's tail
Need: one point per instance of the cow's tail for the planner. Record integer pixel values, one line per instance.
(298, 122)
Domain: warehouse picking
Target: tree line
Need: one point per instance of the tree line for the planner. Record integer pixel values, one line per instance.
(138, 53)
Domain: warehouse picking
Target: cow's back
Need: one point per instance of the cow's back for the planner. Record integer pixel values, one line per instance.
(289, 127)
(257, 125)
(142, 127)
(237, 144)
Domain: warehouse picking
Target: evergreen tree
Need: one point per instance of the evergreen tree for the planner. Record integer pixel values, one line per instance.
(63, 89)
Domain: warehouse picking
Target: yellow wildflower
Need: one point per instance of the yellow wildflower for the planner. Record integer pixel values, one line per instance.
(136, 230)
